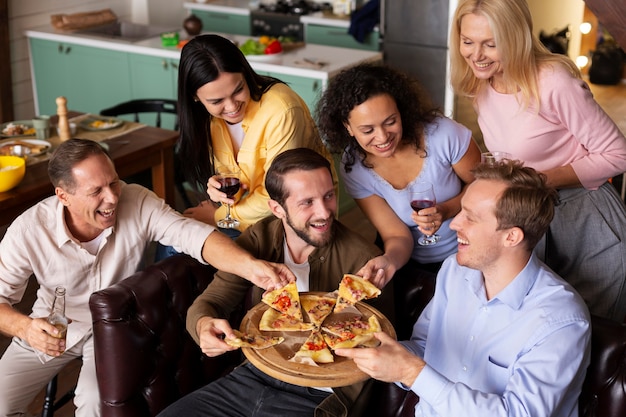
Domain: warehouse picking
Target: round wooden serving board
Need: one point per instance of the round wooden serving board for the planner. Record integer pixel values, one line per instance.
(275, 362)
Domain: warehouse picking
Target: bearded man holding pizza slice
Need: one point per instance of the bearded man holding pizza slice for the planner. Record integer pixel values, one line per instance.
(305, 235)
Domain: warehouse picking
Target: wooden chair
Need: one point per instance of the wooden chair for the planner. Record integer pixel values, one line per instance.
(157, 107)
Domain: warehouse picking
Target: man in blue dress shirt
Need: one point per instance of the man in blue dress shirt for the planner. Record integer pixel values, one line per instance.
(503, 334)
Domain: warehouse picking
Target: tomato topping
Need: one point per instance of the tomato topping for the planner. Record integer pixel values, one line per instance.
(313, 346)
(283, 302)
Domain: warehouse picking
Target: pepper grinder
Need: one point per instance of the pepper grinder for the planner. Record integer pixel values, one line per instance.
(63, 124)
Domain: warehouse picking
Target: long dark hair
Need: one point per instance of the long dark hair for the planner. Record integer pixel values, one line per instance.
(356, 85)
(202, 60)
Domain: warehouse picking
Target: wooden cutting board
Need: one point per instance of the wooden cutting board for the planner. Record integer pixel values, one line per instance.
(275, 362)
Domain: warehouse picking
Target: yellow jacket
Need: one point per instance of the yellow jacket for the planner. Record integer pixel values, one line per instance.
(279, 121)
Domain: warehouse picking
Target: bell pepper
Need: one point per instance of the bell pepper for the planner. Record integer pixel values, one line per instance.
(273, 47)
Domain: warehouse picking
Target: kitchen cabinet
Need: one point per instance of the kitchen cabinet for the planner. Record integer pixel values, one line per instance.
(154, 77)
(214, 21)
(339, 36)
(90, 78)
(307, 88)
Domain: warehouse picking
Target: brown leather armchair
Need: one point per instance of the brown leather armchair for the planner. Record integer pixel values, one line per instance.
(146, 360)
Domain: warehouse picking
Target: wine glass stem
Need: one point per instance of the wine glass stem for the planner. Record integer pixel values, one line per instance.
(228, 211)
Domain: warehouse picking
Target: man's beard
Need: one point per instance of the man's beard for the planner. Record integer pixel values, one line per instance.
(304, 235)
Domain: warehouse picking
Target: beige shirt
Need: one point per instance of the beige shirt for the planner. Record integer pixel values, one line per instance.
(38, 242)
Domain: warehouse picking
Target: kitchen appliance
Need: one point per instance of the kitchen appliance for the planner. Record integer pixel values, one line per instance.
(415, 40)
(282, 18)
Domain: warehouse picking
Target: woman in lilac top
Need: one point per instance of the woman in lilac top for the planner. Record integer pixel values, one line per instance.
(534, 105)
(392, 137)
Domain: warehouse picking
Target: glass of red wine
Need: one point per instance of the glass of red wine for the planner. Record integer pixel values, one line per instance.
(228, 177)
(422, 195)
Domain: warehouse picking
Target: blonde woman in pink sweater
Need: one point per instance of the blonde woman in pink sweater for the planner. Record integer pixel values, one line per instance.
(534, 105)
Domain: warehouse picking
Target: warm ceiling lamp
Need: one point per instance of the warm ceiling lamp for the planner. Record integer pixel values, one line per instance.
(582, 61)
(585, 28)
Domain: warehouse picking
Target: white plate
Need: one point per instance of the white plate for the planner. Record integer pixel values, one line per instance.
(267, 58)
(27, 123)
(37, 147)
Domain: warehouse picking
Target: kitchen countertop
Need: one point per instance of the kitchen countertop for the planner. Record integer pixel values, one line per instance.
(289, 63)
(241, 7)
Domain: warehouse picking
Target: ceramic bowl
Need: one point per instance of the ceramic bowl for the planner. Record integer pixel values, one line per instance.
(12, 170)
(72, 129)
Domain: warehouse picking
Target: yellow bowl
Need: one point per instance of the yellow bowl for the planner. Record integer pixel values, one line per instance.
(12, 170)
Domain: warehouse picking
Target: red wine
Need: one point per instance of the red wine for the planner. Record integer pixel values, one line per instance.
(229, 185)
(417, 205)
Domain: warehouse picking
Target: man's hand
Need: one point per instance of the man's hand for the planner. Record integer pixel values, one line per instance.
(270, 275)
(40, 335)
(389, 362)
(212, 333)
(378, 270)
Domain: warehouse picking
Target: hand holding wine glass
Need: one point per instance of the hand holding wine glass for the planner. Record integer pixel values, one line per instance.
(422, 196)
(228, 177)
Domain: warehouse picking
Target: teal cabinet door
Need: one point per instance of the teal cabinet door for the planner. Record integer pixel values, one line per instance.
(336, 36)
(307, 88)
(90, 78)
(223, 22)
(154, 77)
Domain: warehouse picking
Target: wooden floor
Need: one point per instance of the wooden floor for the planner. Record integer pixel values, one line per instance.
(611, 98)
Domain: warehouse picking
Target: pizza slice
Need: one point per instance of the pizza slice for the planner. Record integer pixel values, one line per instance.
(353, 288)
(352, 332)
(317, 307)
(285, 299)
(273, 320)
(253, 341)
(314, 348)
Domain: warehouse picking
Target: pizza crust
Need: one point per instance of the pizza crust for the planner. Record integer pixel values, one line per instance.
(253, 341)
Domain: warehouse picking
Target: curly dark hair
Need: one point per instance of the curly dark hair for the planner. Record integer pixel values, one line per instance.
(354, 86)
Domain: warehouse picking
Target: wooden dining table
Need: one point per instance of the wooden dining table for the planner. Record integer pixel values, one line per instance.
(137, 150)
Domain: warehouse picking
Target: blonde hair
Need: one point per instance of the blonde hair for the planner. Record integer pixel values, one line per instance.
(521, 53)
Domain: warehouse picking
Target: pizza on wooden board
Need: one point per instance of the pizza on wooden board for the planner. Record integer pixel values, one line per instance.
(314, 348)
(254, 342)
(353, 288)
(318, 307)
(273, 320)
(351, 332)
(285, 299)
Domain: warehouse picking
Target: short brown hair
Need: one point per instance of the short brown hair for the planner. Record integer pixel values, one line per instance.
(527, 202)
(68, 155)
(298, 159)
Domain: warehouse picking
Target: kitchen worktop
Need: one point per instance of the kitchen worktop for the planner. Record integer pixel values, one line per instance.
(227, 6)
(243, 7)
(293, 62)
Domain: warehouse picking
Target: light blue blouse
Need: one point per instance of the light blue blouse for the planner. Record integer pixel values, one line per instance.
(446, 142)
(522, 353)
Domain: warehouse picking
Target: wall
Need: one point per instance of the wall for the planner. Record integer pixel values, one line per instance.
(27, 14)
(553, 15)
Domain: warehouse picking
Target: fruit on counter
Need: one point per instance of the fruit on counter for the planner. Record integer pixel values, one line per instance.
(265, 45)
(273, 47)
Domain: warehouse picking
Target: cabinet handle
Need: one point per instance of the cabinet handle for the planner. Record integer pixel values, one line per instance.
(64, 49)
(174, 65)
(164, 64)
(316, 85)
(68, 49)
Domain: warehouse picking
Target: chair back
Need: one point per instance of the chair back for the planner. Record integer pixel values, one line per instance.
(148, 105)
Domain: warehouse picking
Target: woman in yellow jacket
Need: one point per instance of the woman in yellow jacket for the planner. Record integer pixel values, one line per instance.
(230, 115)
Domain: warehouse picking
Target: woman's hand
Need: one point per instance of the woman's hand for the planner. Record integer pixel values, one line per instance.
(428, 220)
(378, 271)
(204, 212)
(213, 190)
